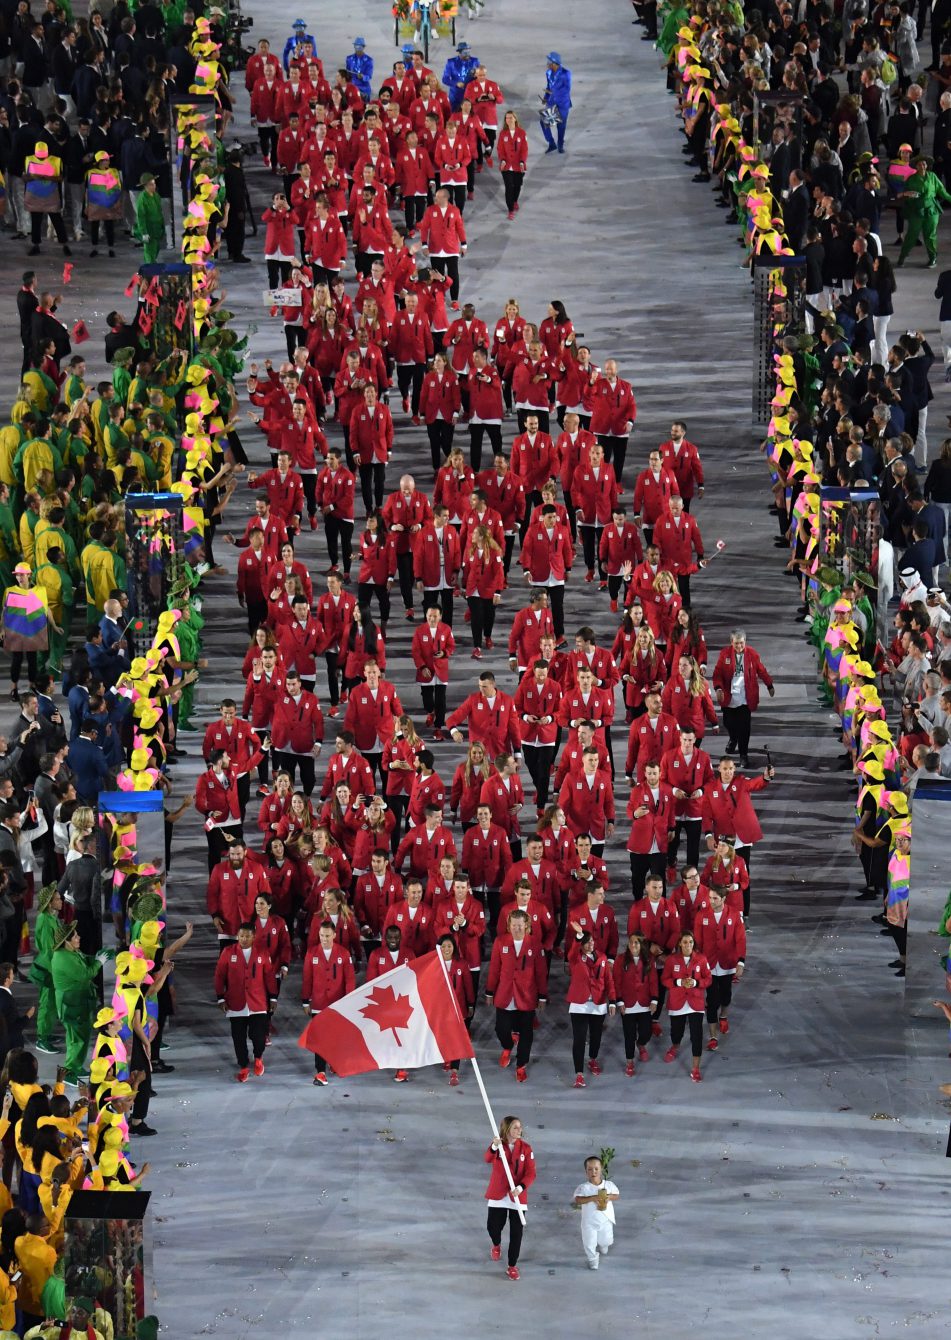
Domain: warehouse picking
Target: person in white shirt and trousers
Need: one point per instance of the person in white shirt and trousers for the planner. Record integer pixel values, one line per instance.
(596, 1197)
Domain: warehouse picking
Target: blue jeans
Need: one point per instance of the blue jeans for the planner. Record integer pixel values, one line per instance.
(546, 131)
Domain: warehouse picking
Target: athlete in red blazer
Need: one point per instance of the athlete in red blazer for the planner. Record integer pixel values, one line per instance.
(518, 986)
(686, 978)
(636, 992)
(721, 938)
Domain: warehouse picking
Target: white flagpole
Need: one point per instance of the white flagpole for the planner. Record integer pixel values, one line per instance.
(485, 1097)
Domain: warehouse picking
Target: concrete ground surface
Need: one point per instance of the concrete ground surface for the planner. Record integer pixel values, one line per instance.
(800, 1189)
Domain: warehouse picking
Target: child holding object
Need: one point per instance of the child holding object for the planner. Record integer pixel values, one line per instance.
(596, 1197)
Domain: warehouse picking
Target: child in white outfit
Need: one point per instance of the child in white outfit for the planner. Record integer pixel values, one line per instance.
(596, 1197)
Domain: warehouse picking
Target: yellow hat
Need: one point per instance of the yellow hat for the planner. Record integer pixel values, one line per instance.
(897, 801)
(872, 769)
(880, 730)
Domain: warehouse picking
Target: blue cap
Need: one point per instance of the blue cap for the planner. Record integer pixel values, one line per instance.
(359, 42)
(407, 48)
(463, 46)
(299, 23)
(554, 57)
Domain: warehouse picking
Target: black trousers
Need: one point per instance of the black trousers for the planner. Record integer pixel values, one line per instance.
(309, 482)
(679, 1024)
(739, 721)
(278, 272)
(683, 586)
(404, 574)
(637, 1032)
(257, 614)
(372, 479)
(109, 226)
(267, 138)
(644, 865)
(414, 207)
(440, 440)
(719, 995)
(691, 827)
(253, 1026)
(434, 703)
(332, 659)
(539, 759)
(495, 1223)
(339, 541)
(513, 188)
(441, 596)
(477, 432)
(36, 228)
(746, 853)
(615, 451)
(289, 763)
(16, 665)
(483, 619)
(590, 544)
(365, 593)
(449, 265)
(556, 600)
(586, 1030)
(521, 1022)
(409, 378)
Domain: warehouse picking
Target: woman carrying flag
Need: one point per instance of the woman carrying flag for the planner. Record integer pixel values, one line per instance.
(25, 621)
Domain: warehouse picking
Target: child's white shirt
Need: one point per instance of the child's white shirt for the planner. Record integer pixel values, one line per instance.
(591, 1216)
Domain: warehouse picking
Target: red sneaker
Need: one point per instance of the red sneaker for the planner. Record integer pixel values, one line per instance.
(671, 1054)
(453, 1079)
(477, 653)
(656, 1030)
(724, 1025)
(521, 1074)
(313, 523)
(417, 420)
(445, 1066)
(334, 711)
(496, 1253)
(580, 1082)
(489, 644)
(602, 586)
(429, 719)
(467, 617)
(614, 607)
(400, 1077)
(512, 1272)
(258, 1066)
(589, 575)
(511, 213)
(712, 1045)
(643, 1054)
(629, 1070)
(405, 405)
(695, 1075)
(320, 1077)
(242, 1075)
(671, 875)
(516, 207)
(439, 735)
(410, 614)
(267, 1040)
(455, 306)
(488, 159)
(594, 1065)
(505, 1057)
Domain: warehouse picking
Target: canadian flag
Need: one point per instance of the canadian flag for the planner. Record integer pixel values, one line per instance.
(402, 1020)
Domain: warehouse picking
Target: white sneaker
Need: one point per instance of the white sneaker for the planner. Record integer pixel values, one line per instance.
(593, 1265)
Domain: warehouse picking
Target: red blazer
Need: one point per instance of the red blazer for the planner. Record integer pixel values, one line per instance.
(678, 543)
(406, 512)
(595, 498)
(373, 721)
(231, 893)
(651, 495)
(274, 939)
(534, 701)
(543, 557)
(297, 727)
(377, 561)
(382, 960)
(494, 726)
(354, 770)
(334, 618)
(371, 435)
(513, 150)
(241, 742)
(239, 983)
(266, 100)
(684, 462)
(613, 407)
(528, 629)
(688, 905)
(443, 231)
(619, 545)
(505, 497)
(648, 744)
(723, 942)
(414, 171)
(425, 549)
(545, 886)
(484, 573)
(573, 452)
(641, 673)
(468, 936)
(251, 575)
(635, 982)
(581, 878)
(588, 809)
(502, 800)
(528, 392)
(656, 926)
(440, 397)
(283, 884)
(371, 900)
(335, 490)
(326, 979)
(680, 775)
(604, 929)
(661, 613)
(675, 970)
(463, 338)
(729, 810)
(534, 462)
(401, 781)
(424, 852)
(216, 800)
(599, 708)
(453, 490)
(424, 792)
(657, 824)
(485, 395)
(521, 1162)
(411, 340)
(730, 879)
(486, 857)
(430, 666)
(326, 243)
(693, 710)
(418, 932)
(560, 849)
(300, 644)
(519, 978)
(464, 796)
(591, 979)
(753, 671)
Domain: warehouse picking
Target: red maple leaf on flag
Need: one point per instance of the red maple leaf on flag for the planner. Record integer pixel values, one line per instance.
(388, 1010)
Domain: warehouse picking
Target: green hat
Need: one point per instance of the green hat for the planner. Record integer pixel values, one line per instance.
(86, 1304)
(828, 576)
(922, 158)
(145, 179)
(45, 897)
(866, 579)
(147, 1329)
(62, 933)
(123, 356)
(147, 906)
